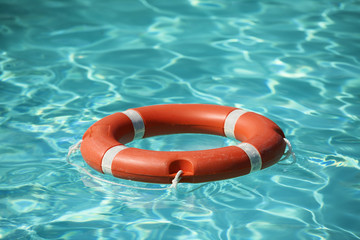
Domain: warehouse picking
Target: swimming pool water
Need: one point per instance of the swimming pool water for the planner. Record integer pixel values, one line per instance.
(66, 64)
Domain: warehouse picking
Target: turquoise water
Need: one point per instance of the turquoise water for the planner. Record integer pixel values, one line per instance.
(66, 64)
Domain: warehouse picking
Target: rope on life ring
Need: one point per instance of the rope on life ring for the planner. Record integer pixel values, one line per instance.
(103, 145)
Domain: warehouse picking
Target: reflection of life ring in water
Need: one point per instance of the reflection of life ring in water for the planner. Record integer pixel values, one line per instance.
(262, 143)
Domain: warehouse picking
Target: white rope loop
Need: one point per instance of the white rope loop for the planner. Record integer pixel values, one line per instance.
(74, 148)
(288, 153)
(177, 179)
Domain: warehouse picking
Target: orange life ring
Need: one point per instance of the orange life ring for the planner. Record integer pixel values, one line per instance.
(103, 145)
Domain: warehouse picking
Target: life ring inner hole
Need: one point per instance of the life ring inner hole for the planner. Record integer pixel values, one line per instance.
(182, 142)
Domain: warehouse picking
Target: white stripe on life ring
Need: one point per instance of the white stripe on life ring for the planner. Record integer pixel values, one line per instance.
(230, 122)
(138, 123)
(109, 156)
(253, 154)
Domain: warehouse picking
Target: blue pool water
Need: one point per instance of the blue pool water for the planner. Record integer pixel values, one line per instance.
(66, 64)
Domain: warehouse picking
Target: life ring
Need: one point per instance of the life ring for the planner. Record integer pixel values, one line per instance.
(103, 145)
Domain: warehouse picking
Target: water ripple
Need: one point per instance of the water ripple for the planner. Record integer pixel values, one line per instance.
(64, 66)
